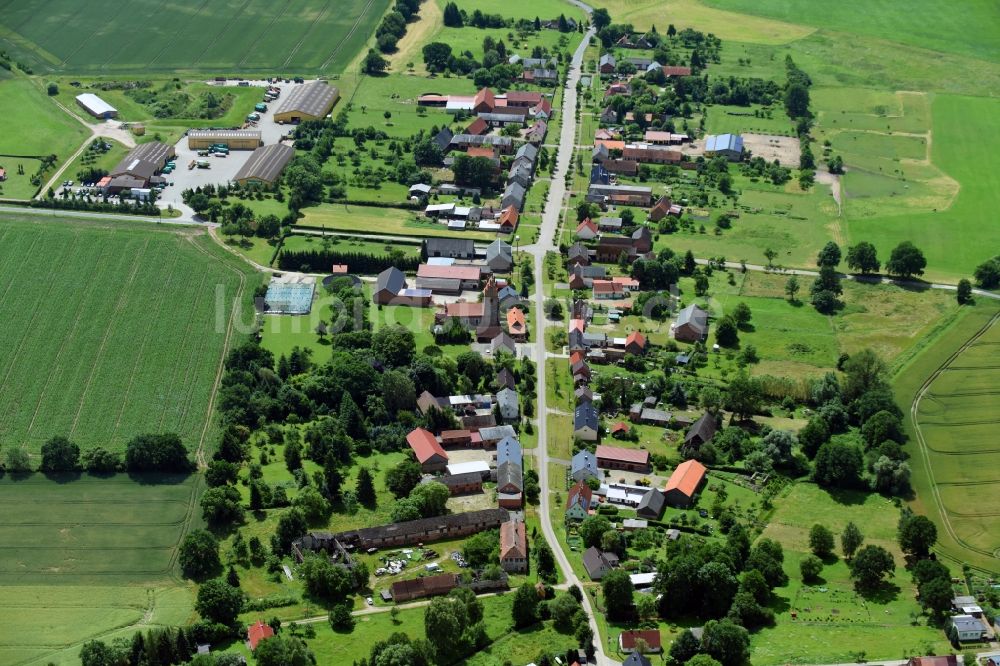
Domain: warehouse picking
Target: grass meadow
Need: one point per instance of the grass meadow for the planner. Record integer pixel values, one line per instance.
(88, 557)
(383, 221)
(127, 322)
(218, 36)
(32, 125)
(831, 622)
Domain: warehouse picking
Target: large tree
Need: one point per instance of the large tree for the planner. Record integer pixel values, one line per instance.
(838, 465)
(906, 261)
(870, 566)
(863, 258)
(600, 19)
(917, 534)
(592, 529)
(744, 395)
(282, 651)
(219, 602)
(851, 539)
(820, 540)
(157, 453)
(59, 454)
(726, 642)
(199, 555)
(987, 274)
(829, 255)
(403, 478)
(525, 607)
(617, 588)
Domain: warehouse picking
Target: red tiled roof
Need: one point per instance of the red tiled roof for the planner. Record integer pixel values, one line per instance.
(513, 542)
(607, 287)
(609, 144)
(477, 127)
(577, 357)
(481, 151)
(515, 321)
(650, 636)
(524, 96)
(580, 489)
(674, 70)
(586, 224)
(424, 445)
(621, 426)
(449, 272)
(509, 217)
(637, 338)
(625, 281)
(258, 632)
(686, 477)
(339, 269)
(576, 325)
(634, 456)
(464, 310)
(485, 96)
(636, 153)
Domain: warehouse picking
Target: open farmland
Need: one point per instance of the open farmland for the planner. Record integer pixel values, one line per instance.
(217, 35)
(122, 335)
(955, 421)
(101, 559)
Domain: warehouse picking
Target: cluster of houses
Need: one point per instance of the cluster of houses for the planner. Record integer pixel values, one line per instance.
(968, 623)
(530, 112)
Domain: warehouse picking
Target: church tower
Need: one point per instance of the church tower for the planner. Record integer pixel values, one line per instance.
(491, 304)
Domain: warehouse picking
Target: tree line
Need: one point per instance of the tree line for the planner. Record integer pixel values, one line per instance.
(146, 453)
(320, 261)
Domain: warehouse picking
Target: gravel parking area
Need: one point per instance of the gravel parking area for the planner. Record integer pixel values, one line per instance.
(223, 169)
(771, 147)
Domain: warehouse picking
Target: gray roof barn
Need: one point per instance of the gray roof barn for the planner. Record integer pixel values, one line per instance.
(453, 248)
(443, 138)
(510, 407)
(391, 280)
(702, 430)
(527, 150)
(503, 342)
(692, 323)
(265, 164)
(499, 256)
(510, 477)
(651, 505)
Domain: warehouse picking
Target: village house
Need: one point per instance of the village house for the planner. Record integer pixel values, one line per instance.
(510, 485)
(701, 432)
(631, 640)
(517, 325)
(391, 289)
(513, 547)
(579, 501)
(683, 484)
(583, 466)
(586, 423)
(691, 325)
(598, 563)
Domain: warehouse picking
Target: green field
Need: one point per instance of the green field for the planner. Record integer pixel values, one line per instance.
(954, 421)
(930, 24)
(960, 237)
(216, 36)
(383, 221)
(88, 557)
(123, 333)
(832, 623)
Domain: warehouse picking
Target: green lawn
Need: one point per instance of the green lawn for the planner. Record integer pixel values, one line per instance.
(19, 185)
(218, 37)
(88, 557)
(33, 125)
(129, 325)
(741, 120)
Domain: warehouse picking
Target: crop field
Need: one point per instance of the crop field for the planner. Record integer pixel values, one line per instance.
(123, 333)
(87, 557)
(924, 23)
(956, 423)
(216, 35)
(832, 623)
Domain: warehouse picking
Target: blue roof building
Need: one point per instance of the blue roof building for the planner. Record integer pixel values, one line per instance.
(508, 450)
(584, 466)
(729, 146)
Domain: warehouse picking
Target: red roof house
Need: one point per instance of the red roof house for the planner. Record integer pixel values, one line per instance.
(674, 70)
(620, 428)
(586, 230)
(484, 101)
(615, 457)
(684, 483)
(508, 218)
(430, 455)
(635, 343)
(517, 326)
(258, 632)
(477, 127)
(627, 640)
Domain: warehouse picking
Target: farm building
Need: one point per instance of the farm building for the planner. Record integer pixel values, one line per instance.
(629, 640)
(729, 146)
(684, 483)
(390, 288)
(429, 454)
(430, 586)
(616, 457)
(692, 324)
(310, 101)
(96, 106)
(702, 431)
(232, 139)
(140, 167)
(265, 165)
